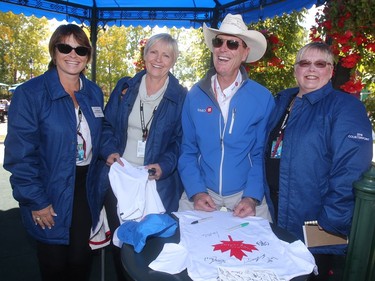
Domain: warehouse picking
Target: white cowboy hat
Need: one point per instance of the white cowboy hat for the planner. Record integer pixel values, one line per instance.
(234, 25)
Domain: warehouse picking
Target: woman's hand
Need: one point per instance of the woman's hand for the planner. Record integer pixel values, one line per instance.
(44, 217)
(114, 157)
(157, 169)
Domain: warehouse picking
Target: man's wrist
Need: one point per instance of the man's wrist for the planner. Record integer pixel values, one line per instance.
(256, 201)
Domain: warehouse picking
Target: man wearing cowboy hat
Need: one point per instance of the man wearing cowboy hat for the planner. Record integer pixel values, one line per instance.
(224, 126)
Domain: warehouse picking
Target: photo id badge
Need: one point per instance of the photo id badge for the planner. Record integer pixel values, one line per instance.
(80, 152)
(141, 147)
(276, 149)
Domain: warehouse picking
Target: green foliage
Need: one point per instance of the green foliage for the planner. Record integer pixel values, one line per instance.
(194, 58)
(291, 37)
(21, 39)
(349, 26)
(116, 49)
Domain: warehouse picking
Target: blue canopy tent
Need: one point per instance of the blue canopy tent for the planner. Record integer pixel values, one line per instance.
(170, 13)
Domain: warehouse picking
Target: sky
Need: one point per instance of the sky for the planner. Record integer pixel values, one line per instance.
(310, 17)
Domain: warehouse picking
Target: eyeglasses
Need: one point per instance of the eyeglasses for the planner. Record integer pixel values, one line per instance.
(66, 49)
(317, 64)
(231, 44)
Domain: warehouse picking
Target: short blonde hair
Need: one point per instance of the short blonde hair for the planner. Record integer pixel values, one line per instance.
(165, 37)
(319, 46)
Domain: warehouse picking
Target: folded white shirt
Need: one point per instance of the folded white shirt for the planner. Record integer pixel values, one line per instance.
(136, 195)
(172, 259)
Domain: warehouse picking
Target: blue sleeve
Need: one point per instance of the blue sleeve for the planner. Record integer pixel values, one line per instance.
(188, 165)
(255, 179)
(109, 143)
(169, 159)
(351, 145)
(21, 156)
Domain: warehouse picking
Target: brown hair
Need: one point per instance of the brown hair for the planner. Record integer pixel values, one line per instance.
(64, 31)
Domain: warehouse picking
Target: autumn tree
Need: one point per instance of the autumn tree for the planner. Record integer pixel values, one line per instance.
(22, 39)
(194, 59)
(285, 36)
(116, 49)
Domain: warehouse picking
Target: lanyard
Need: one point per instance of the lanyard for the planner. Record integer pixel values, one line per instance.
(80, 134)
(282, 128)
(143, 125)
(79, 119)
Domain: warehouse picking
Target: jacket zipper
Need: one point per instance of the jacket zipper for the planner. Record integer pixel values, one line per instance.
(232, 121)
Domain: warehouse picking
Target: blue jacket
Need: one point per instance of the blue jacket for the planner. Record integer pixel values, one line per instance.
(40, 151)
(163, 141)
(326, 147)
(226, 159)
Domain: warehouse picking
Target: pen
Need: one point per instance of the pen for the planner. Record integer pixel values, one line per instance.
(201, 220)
(238, 226)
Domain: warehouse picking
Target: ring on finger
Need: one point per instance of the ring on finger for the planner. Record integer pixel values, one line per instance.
(37, 218)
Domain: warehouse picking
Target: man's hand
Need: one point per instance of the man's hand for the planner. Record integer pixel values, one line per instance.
(246, 207)
(204, 202)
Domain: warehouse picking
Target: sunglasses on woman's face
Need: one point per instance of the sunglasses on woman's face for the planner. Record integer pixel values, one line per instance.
(66, 49)
(231, 44)
(317, 64)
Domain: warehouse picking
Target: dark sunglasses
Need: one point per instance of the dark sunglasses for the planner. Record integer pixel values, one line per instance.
(231, 44)
(317, 64)
(66, 49)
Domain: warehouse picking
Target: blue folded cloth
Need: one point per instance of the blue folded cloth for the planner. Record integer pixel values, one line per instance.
(155, 225)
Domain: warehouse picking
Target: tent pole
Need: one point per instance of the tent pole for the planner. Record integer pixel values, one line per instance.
(94, 38)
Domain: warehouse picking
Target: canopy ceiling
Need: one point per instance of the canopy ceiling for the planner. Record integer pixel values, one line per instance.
(178, 13)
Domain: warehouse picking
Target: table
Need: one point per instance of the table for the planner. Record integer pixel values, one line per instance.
(136, 264)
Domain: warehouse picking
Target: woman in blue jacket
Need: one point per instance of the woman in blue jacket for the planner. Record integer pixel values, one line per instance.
(143, 124)
(320, 142)
(52, 144)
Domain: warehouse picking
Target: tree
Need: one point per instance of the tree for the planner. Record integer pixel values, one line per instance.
(116, 49)
(194, 59)
(349, 27)
(22, 38)
(275, 69)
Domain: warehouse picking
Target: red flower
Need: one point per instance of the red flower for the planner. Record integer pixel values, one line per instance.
(273, 39)
(342, 39)
(351, 60)
(327, 24)
(275, 61)
(370, 47)
(345, 49)
(352, 87)
(359, 39)
(335, 49)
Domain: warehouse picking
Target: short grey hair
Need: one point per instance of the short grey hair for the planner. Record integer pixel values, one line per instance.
(165, 37)
(318, 46)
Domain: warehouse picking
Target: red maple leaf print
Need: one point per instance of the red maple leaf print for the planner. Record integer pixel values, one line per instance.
(236, 248)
